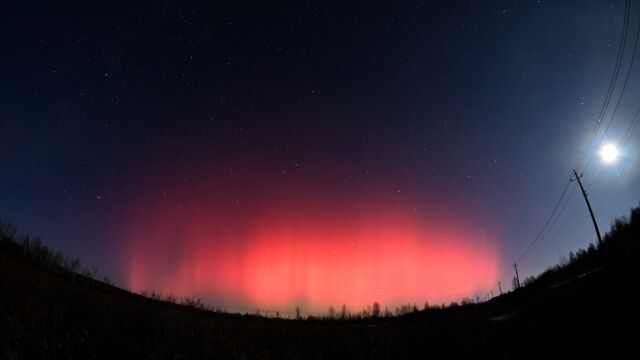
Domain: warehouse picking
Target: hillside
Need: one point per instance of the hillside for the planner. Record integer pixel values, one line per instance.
(587, 307)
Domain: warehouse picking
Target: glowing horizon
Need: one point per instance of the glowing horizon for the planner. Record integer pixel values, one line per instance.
(286, 256)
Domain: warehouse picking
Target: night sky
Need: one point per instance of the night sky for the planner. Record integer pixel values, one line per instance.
(271, 155)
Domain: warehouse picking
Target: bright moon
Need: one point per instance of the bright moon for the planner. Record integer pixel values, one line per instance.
(609, 153)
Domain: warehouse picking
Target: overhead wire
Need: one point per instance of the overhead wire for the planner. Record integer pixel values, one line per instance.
(555, 214)
(624, 86)
(539, 234)
(633, 125)
(549, 229)
(538, 237)
(610, 91)
(612, 83)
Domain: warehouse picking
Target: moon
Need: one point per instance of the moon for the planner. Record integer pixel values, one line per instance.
(609, 153)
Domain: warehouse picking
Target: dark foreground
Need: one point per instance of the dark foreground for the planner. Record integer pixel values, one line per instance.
(586, 309)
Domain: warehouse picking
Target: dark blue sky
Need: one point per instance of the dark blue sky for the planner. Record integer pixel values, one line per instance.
(481, 108)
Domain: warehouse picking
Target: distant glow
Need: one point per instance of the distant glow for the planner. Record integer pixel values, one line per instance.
(609, 153)
(305, 252)
(286, 263)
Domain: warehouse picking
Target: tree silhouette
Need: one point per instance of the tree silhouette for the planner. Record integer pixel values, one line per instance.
(376, 310)
(343, 312)
(514, 283)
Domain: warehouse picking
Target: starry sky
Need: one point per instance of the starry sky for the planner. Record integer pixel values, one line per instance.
(275, 154)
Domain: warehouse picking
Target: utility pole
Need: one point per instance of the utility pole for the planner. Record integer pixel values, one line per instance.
(584, 193)
(500, 287)
(515, 266)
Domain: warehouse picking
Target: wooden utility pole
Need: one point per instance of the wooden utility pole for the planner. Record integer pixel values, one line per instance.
(584, 193)
(515, 266)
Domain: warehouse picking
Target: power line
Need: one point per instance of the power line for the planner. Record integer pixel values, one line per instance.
(612, 83)
(555, 221)
(546, 224)
(544, 227)
(597, 179)
(632, 127)
(555, 214)
(624, 86)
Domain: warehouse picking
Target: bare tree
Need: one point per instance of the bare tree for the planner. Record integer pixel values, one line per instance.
(343, 312)
(376, 310)
(387, 312)
(514, 283)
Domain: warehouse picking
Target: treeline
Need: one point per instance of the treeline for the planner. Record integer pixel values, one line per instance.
(35, 252)
(620, 243)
